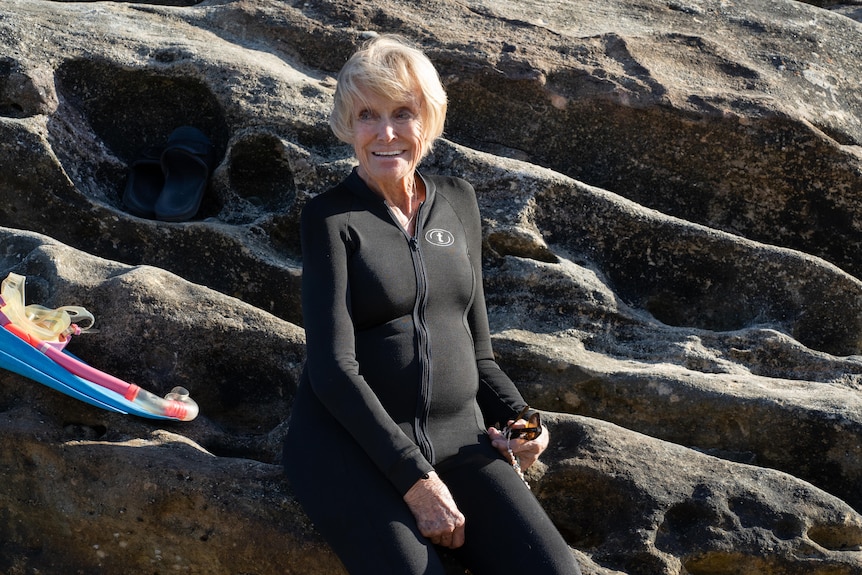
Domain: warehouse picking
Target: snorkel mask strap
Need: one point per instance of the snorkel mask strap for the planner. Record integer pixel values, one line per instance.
(48, 325)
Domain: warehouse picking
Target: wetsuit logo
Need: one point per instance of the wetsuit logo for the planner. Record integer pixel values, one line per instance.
(439, 237)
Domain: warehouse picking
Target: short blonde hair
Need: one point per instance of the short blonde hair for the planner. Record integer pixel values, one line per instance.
(389, 66)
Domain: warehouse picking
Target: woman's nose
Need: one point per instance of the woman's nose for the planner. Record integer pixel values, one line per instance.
(386, 130)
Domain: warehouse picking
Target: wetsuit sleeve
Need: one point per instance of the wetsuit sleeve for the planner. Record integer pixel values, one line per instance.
(331, 360)
(498, 397)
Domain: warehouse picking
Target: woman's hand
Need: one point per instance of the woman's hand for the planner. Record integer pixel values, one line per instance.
(437, 516)
(527, 451)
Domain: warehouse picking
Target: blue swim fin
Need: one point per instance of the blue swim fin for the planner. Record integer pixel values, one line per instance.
(20, 357)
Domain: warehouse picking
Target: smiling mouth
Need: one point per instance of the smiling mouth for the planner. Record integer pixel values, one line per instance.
(388, 154)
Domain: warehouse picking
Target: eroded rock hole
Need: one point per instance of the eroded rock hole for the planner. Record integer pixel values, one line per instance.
(260, 172)
(753, 513)
(837, 537)
(84, 432)
(132, 109)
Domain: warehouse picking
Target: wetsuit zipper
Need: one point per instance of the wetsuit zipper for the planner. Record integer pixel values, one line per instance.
(423, 344)
(423, 402)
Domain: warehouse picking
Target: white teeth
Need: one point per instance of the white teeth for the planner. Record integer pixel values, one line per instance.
(387, 153)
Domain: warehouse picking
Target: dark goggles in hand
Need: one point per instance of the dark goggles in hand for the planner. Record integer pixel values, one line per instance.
(531, 431)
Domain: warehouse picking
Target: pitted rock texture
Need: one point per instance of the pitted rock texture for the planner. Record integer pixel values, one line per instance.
(670, 194)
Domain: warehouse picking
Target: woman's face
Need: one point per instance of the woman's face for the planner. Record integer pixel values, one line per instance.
(387, 139)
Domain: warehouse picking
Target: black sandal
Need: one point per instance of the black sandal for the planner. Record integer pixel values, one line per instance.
(144, 183)
(187, 162)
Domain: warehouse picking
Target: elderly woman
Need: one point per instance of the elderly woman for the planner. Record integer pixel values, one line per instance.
(394, 448)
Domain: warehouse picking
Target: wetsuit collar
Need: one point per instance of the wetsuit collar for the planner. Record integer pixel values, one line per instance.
(358, 187)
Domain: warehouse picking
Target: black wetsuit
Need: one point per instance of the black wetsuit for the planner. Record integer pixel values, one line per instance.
(401, 379)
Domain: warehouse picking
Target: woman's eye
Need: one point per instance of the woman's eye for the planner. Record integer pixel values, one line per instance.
(404, 116)
(365, 116)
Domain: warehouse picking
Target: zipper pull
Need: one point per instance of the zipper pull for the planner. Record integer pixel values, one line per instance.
(414, 245)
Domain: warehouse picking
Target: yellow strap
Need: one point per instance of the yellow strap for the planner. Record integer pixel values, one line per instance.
(41, 322)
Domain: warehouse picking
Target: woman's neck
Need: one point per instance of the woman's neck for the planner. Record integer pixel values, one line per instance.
(403, 198)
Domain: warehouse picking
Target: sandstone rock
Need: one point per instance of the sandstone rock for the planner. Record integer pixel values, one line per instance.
(670, 193)
(735, 512)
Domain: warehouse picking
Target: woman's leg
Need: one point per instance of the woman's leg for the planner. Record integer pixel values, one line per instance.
(507, 531)
(354, 506)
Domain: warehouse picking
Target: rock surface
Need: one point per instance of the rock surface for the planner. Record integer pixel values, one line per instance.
(671, 193)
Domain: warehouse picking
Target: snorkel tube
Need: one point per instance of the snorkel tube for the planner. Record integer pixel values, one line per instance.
(48, 331)
(177, 404)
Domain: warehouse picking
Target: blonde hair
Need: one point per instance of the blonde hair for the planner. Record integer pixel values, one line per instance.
(389, 66)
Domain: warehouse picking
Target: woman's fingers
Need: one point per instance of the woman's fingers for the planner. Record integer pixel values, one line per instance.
(499, 441)
(451, 536)
(448, 532)
(527, 451)
(437, 515)
(457, 538)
